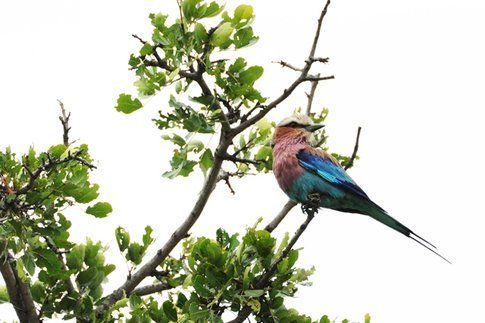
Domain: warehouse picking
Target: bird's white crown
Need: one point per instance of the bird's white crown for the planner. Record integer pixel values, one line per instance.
(299, 119)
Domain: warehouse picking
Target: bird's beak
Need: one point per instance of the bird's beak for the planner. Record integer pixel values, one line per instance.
(314, 127)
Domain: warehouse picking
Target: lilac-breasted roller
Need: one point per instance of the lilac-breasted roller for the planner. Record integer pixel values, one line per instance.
(310, 175)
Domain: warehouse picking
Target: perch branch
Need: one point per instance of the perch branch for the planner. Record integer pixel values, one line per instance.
(281, 215)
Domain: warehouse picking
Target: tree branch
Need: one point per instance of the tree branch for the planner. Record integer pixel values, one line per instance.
(288, 65)
(146, 270)
(235, 159)
(64, 118)
(18, 291)
(12, 289)
(356, 149)
(312, 78)
(151, 289)
(311, 95)
(27, 300)
(281, 215)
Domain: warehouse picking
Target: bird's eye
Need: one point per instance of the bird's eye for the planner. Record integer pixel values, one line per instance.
(294, 124)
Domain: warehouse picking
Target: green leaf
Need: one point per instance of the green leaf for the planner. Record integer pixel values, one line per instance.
(222, 34)
(127, 105)
(147, 238)
(170, 311)
(146, 49)
(85, 277)
(254, 292)
(100, 209)
(135, 253)
(255, 305)
(86, 194)
(57, 151)
(250, 75)
(197, 314)
(212, 10)
(206, 160)
(48, 259)
(367, 318)
(188, 8)
(38, 292)
(122, 238)
(29, 263)
(200, 33)
(244, 37)
(243, 11)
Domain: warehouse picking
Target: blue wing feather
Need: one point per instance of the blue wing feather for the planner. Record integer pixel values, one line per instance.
(329, 171)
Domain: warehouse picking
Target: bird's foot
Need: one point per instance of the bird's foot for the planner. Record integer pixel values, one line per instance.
(313, 203)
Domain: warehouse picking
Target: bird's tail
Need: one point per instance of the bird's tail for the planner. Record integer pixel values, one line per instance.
(381, 215)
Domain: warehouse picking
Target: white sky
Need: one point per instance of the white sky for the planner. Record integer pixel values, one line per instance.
(410, 72)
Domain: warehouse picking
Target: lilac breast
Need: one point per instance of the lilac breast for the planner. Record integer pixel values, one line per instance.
(285, 164)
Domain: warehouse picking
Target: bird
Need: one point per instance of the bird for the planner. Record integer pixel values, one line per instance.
(314, 178)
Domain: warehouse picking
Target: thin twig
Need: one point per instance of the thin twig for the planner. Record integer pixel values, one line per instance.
(235, 159)
(311, 95)
(312, 78)
(64, 118)
(356, 149)
(288, 65)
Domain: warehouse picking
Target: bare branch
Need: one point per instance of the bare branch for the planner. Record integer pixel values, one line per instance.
(265, 279)
(323, 60)
(317, 33)
(64, 118)
(312, 78)
(224, 176)
(139, 38)
(356, 149)
(311, 95)
(151, 289)
(281, 215)
(235, 159)
(288, 65)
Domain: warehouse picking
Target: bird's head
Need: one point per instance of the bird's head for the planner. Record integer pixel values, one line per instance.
(298, 127)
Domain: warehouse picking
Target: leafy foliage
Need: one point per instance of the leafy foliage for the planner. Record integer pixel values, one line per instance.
(35, 189)
(216, 276)
(213, 278)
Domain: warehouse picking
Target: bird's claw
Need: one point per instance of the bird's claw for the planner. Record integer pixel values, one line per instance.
(311, 206)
